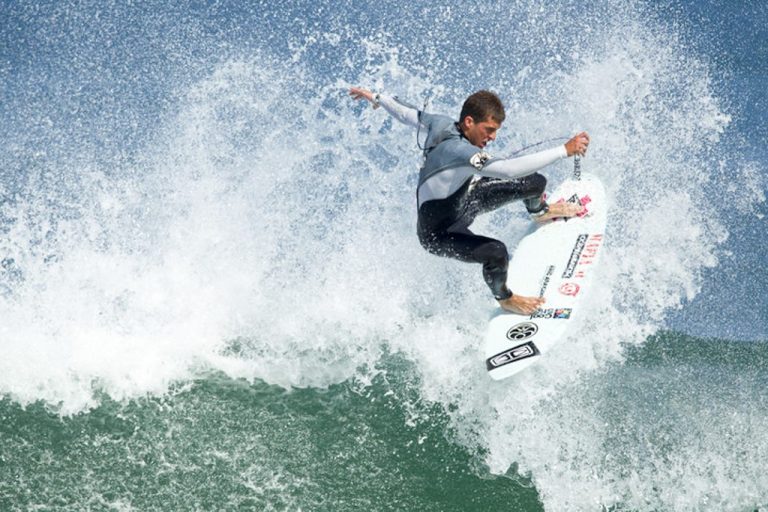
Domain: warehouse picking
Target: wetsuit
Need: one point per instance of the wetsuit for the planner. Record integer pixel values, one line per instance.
(459, 181)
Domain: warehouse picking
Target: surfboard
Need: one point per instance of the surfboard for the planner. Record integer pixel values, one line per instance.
(557, 260)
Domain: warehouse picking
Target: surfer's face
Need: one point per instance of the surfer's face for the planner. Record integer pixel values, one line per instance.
(480, 134)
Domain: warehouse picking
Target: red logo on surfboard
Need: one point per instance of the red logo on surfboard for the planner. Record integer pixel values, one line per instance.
(570, 289)
(582, 201)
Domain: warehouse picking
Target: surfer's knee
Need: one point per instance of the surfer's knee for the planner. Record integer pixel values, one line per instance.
(428, 241)
(493, 253)
(538, 183)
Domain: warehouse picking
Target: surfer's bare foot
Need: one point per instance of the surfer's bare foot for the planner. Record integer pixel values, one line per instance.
(563, 209)
(521, 305)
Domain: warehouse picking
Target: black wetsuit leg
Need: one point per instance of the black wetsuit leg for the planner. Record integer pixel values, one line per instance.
(460, 243)
(444, 231)
(488, 194)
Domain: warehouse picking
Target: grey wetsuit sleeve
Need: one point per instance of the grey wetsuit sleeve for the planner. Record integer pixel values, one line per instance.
(523, 166)
(403, 113)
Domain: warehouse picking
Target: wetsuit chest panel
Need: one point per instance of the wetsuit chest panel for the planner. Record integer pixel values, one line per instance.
(447, 165)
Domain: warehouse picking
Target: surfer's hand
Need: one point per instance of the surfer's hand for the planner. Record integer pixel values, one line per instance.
(577, 145)
(358, 93)
(521, 305)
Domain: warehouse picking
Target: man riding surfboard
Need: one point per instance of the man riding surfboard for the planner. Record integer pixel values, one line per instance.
(459, 181)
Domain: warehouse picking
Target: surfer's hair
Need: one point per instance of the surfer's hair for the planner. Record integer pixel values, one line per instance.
(481, 106)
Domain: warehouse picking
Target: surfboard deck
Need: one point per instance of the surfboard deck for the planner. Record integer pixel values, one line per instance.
(558, 261)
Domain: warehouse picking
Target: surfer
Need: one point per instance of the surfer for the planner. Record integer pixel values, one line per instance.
(459, 181)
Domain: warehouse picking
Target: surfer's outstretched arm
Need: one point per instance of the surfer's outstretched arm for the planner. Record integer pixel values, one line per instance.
(512, 168)
(406, 114)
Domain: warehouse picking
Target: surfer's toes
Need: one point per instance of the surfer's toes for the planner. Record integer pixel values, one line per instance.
(560, 210)
(567, 209)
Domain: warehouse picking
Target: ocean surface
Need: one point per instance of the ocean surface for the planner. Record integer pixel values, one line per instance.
(212, 296)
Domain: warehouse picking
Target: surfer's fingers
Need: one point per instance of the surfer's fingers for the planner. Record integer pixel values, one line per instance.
(584, 144)
(583, 139)
(359, 93)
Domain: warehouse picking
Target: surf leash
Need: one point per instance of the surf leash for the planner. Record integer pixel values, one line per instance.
(418, 128)
(554, 139)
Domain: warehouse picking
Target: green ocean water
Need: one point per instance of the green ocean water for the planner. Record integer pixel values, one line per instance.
(223, 444)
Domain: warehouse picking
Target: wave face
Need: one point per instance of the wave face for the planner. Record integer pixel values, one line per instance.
(189, 190)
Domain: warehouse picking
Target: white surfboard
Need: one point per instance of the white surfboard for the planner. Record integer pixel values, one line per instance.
(558, 261)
